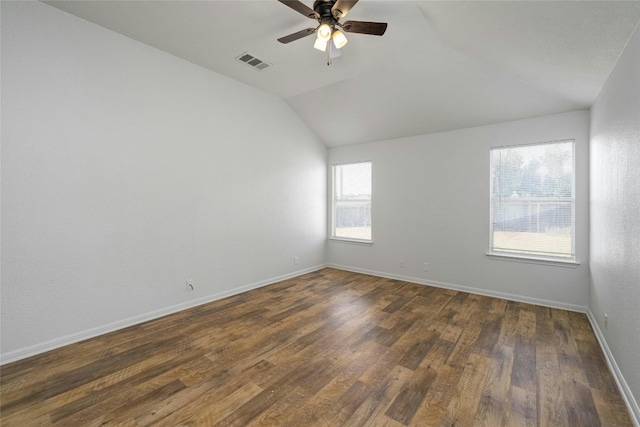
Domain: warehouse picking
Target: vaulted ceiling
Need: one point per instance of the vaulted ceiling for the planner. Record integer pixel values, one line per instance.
(441, 65)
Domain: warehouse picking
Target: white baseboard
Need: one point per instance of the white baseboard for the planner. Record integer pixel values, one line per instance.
(471, 290)
(625, 391)
(35, 349)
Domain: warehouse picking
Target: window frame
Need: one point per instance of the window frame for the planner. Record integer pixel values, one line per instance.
(332, 207)
(523, 256)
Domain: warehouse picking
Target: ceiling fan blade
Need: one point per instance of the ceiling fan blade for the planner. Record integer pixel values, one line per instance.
(297, 35)
(362, 27)
(300, 8)
(342, 7)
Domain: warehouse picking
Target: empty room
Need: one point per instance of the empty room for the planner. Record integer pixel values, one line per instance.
(320, 213)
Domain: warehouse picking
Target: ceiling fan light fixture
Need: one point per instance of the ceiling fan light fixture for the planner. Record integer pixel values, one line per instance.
(334, 51)
(320, 45)
(339, 39)
(324, 32)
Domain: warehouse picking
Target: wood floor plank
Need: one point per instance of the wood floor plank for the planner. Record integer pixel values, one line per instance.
(522, 408)
(417, 352)
(611, 413)
(328, 348)
(584, 413)
(408, 400)
(552, 410)
(102, 388)
(276, 413)
(492, 406)
(442, 392)
(320, 408)
(349, 403)
(489, 332)
(463, 408)
(594, 366)
(524, 373)
(378, 402)
(135, 405)
(217, 410)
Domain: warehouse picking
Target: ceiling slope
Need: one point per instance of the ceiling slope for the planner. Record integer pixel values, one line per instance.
(440, 66)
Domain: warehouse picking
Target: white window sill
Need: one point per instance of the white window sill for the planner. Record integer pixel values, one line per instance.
(355, 241)
(557, 262)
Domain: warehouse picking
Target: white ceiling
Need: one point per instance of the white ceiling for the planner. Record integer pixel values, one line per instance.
(441, 65)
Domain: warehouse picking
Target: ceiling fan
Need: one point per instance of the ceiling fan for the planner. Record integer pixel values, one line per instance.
(328, 14)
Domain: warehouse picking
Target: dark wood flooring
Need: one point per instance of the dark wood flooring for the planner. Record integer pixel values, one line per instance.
(329, 348)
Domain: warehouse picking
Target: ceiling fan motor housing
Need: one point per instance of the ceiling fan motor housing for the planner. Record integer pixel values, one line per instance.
(323, 8)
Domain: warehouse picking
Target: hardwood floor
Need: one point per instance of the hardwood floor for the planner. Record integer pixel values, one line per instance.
(330, 348)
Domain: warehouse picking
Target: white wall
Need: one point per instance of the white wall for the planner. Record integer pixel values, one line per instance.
(431, 204)
(127, 171)
(615, 218)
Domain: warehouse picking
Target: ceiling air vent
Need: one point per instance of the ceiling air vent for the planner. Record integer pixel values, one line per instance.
(253, 62)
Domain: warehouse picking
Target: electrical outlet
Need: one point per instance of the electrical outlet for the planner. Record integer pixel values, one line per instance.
(189, 285)
(606, 321)
(295, 260)
(426, 266)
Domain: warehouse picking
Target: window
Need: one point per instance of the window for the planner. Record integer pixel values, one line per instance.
(351, 202)
(532, 201)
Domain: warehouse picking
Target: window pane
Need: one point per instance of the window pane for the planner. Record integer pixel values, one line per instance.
(352, 201)
(532, 200)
